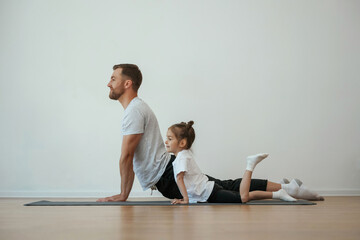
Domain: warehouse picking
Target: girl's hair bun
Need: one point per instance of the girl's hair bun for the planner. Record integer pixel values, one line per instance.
(189, 124)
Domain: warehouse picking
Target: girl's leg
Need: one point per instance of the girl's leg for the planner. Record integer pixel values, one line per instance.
(272, 186)
(246, 196)
(258, 195)
(254, 195)
(245, 186)
(252, 161)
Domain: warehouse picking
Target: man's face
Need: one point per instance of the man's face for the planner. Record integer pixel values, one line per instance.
(116, 84)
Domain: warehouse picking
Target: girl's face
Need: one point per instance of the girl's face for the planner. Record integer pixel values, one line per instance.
(172, 144)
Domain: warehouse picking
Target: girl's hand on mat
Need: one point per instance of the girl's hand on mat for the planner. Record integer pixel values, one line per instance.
(179, 201)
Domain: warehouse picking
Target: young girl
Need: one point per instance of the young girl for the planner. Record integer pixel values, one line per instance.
(198, 187)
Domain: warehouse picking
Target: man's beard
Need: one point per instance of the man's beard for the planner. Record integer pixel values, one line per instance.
(115, 96)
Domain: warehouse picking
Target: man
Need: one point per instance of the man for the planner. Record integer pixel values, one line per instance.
(143, 150)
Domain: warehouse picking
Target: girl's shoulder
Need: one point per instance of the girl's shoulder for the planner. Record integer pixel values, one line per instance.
(185, 154)
(183, 159)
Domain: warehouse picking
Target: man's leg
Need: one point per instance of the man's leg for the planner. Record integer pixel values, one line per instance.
(301, 192)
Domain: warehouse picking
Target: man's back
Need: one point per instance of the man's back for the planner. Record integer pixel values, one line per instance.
(151, 157)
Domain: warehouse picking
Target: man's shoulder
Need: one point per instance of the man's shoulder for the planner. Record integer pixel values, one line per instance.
(138, 112)
(139, 104)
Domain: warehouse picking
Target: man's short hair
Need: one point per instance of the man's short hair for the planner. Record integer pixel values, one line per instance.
(133, 72)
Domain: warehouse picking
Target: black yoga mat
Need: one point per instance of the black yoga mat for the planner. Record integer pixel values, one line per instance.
(164, 203)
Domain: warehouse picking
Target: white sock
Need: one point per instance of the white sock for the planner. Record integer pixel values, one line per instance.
(298, 182)
(255, 159)
(282, 194)
(286, 181)
(301, 192)
(291, 188)
(306, 193)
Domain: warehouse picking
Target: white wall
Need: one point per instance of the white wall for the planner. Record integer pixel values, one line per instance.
(255, 76)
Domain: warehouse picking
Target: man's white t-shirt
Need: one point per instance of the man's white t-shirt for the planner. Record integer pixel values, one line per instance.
(150, 158)
(197, 184)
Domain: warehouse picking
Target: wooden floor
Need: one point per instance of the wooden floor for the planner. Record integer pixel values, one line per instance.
(335, 218)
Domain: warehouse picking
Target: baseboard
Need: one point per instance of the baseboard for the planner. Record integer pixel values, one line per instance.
(339, 192)
(147, 194)
(53, 194)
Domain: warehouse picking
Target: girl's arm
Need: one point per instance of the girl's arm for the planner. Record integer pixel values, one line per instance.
(181, 185)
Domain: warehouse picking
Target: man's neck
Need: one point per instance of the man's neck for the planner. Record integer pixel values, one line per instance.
(125, 99)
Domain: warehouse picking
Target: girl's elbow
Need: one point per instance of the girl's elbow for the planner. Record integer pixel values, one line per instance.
(180, 176)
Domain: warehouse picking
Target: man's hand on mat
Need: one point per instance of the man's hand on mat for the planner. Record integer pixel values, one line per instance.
(115, 198)
(180, 201)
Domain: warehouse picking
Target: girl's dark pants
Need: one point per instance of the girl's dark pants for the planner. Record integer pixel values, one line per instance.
(225, 191)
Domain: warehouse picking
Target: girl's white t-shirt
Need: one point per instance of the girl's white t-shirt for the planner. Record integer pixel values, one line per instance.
(197, 184)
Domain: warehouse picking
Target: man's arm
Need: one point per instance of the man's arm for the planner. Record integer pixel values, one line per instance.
(129, 144)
